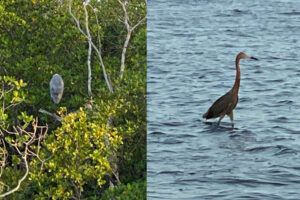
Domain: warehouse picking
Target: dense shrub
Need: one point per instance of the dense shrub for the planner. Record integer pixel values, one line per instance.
(78, 156)
(131, 191)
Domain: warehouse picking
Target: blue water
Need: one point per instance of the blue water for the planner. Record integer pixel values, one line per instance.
(192, 47)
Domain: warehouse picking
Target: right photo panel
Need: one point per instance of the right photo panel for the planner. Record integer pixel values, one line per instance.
(223, 106)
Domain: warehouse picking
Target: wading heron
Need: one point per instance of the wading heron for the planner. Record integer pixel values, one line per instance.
(226, 103)
(56, 88)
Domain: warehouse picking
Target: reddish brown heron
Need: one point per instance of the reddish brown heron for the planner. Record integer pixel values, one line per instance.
(226, 103)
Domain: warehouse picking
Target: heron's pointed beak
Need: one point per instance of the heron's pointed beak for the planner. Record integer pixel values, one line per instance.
(253, 58)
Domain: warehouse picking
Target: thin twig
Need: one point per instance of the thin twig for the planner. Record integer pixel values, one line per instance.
(98, 29)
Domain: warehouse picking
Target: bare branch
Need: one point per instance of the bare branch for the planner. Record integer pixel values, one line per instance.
(90, 49)
(23, 153)
(4, 156)
(129, 31)
(94, 47)
(2, 91)
(58, 118)
(20, 180)
(139, 22)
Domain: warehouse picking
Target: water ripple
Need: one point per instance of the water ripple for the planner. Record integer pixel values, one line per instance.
(191, 49)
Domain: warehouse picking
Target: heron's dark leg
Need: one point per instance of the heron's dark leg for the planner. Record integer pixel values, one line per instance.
(221, 117)
(231, 119)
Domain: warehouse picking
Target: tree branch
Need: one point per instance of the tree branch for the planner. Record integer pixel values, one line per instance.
(94, 47)
(19, 131)
(20, 180)
(129, 31)
(58, 118)
(89, 51)
(98, 31)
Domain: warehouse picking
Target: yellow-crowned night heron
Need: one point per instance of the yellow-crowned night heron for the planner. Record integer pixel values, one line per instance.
(56, 88)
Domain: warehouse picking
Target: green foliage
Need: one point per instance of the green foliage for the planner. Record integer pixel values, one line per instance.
(11, 176)
(39, 38)
(79, 152)
(11, 94)
(133, 191)
(49, 43)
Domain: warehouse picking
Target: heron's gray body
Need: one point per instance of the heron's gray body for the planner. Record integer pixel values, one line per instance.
(56, 88)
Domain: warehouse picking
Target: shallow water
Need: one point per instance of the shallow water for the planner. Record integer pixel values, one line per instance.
(191, 52)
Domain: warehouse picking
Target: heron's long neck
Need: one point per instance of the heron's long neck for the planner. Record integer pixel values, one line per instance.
(236, 85)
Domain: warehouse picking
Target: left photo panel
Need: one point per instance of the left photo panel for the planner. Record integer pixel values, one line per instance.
(73, 99)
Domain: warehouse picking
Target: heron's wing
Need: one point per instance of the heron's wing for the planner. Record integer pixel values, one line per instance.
(56, 84)
(57, 80)
(220, 106)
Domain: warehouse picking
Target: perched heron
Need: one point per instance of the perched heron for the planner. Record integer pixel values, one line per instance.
(56, 88)
(226, 103)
